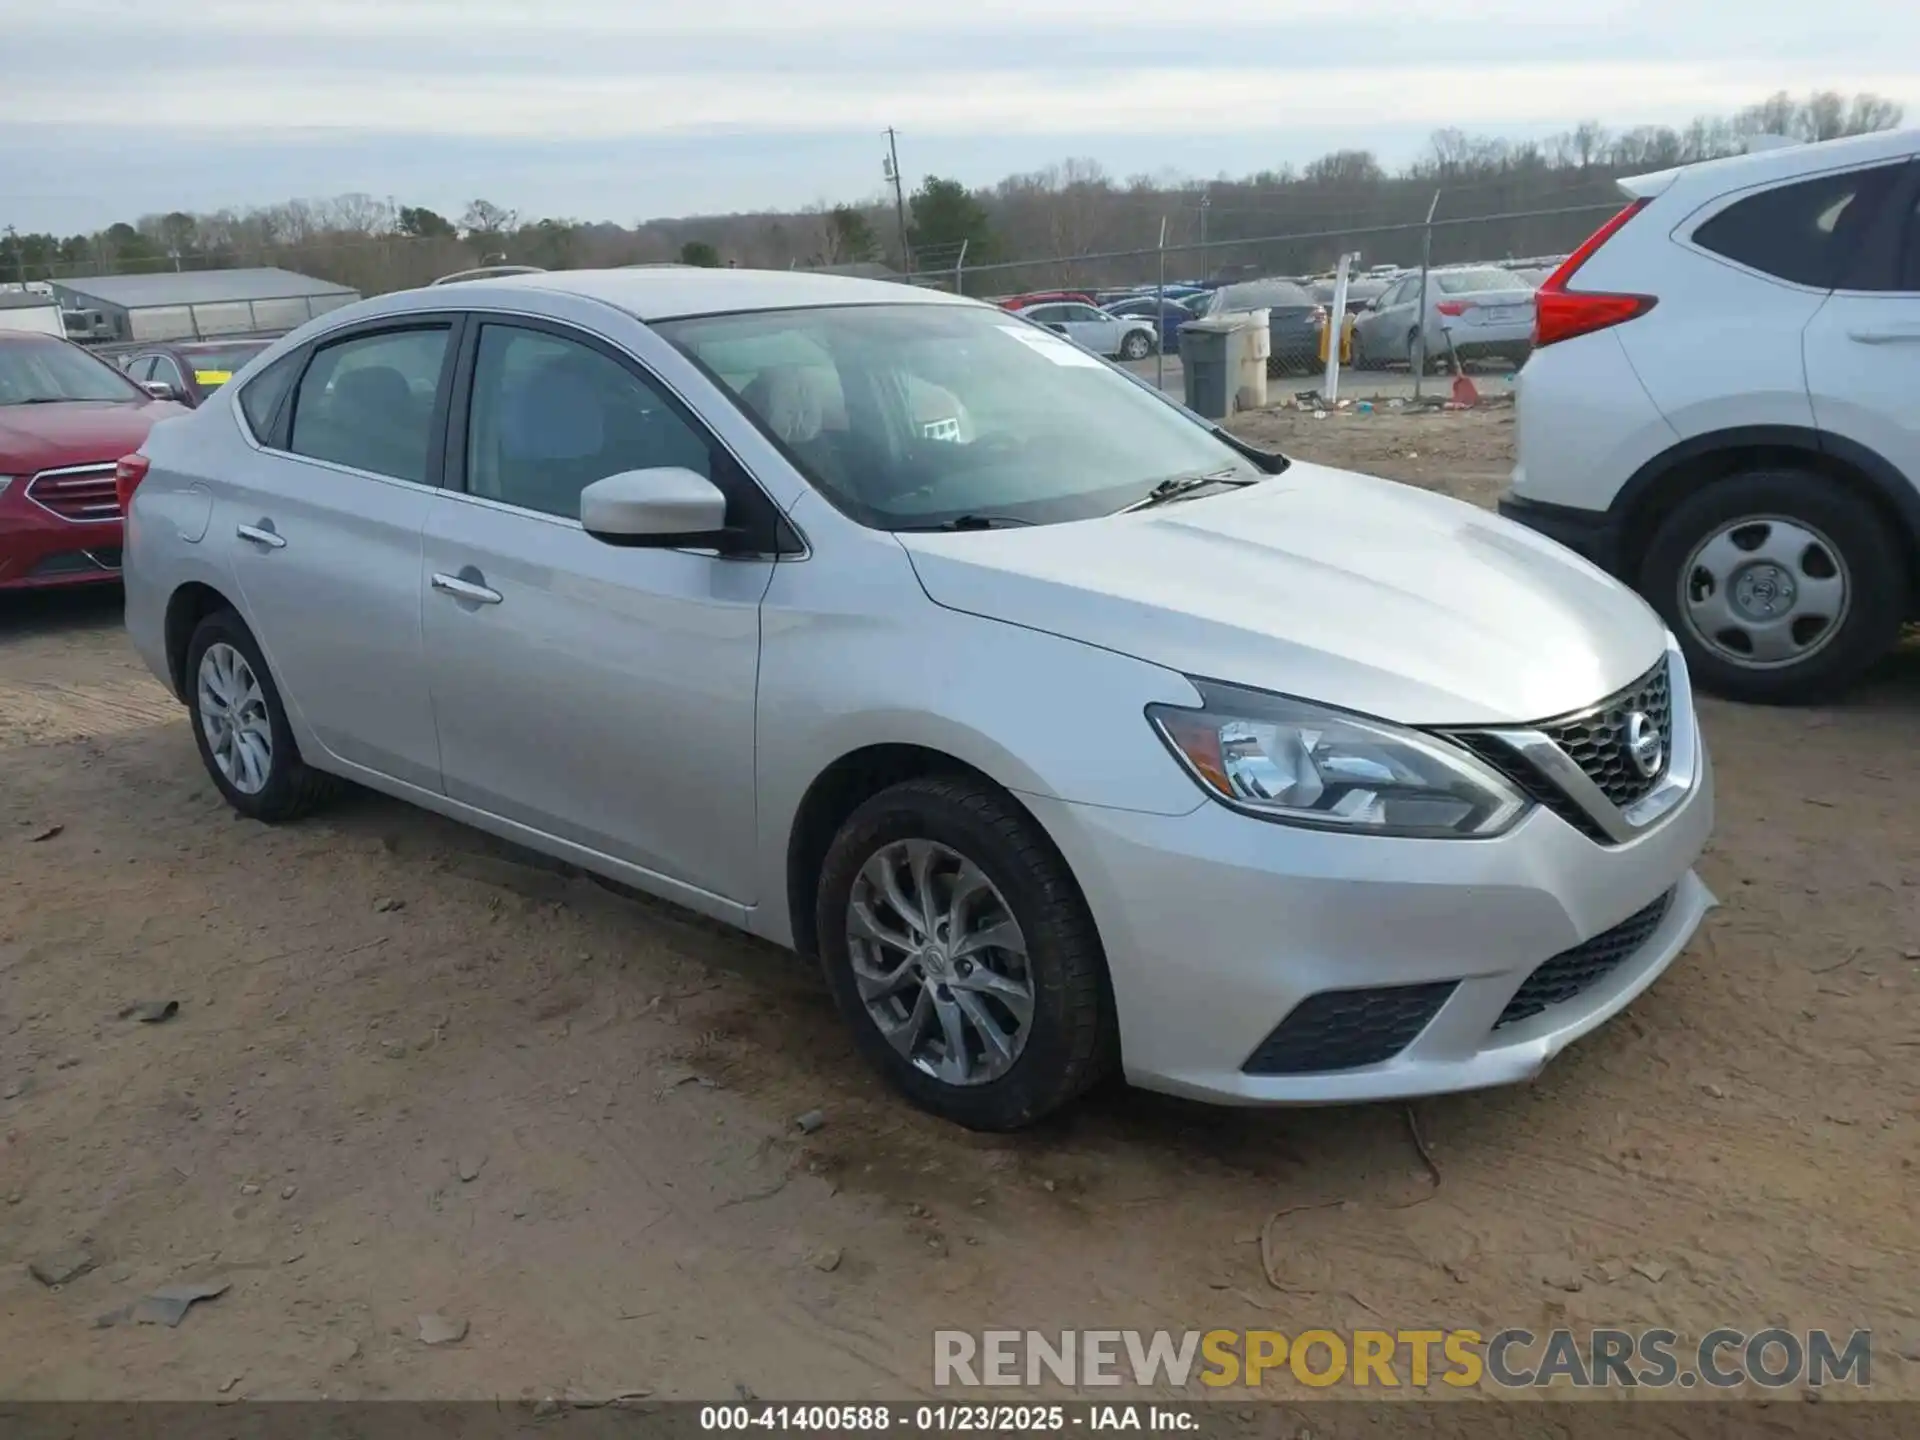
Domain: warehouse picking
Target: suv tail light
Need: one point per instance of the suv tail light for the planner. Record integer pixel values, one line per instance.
(1452, 307)
(1561, 314)
(128, 472)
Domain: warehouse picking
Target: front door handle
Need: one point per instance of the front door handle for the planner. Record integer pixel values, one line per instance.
(1888, 335)
(261, 536)
(465, 590)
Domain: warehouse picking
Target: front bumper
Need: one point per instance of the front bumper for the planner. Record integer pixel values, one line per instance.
(39, 550)
(1217, 925)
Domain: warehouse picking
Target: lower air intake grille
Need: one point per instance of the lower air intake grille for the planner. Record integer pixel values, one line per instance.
(1346, 1029)
(1571, 971)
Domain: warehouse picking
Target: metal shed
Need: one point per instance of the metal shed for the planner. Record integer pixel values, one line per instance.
(191, 304)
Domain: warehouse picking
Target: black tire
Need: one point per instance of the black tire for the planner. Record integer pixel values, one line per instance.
(1071, 1040)
(1136, 346)
(293, 787)
(1866, 550)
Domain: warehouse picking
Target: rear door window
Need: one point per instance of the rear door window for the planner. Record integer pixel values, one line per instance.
(368, 402)
(1804, 233)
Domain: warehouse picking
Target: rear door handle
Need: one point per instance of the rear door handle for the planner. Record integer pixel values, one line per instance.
(260, 536)
(465, 590)
(1908, 333)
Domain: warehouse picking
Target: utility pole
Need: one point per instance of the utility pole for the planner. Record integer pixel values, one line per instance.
(899, 197)
(1206, 200)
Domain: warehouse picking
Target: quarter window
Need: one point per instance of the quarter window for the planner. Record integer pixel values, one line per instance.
(549, 416)
(261, 398)
(368, 402)
(1804, 233)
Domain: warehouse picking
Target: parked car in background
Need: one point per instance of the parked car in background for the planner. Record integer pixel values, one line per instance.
(1294, 320)
(1088, 738)
(1484, 310)
(1723, 407)
(65, 418)
(1044, 297)
(1115, 336)
(191, 370)
(1171, 314)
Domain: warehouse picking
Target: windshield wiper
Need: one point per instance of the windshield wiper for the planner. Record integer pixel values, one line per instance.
(968, 522)
(43, 400)
(1176, 487)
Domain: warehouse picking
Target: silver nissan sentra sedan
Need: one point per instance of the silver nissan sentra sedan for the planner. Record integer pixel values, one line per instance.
(1068, 732)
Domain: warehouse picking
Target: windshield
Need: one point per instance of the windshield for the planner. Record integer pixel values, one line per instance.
(41, 371)
(214, 365)
(1468, 282)
(913, 416)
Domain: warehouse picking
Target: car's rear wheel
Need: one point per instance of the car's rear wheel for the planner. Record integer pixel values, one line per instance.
(240, 725)
(1136, 346)
(960, 951)
(1782, 585)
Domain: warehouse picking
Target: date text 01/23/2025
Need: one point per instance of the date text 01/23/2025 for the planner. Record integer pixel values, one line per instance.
(945, 1419)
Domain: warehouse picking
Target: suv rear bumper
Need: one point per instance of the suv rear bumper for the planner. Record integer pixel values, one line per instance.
(1591, 534)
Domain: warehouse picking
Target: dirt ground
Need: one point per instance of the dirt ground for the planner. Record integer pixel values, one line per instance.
(409, 1075)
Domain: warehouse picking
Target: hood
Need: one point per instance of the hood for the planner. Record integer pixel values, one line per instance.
(43, 437)
(1325, 585)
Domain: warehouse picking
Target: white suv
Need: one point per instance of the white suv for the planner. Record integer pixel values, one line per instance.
(1723, 408)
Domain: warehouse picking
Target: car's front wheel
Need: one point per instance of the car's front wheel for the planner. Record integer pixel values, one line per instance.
(960, 951)
(1782, 585)
(240, 725)
(1137, 345)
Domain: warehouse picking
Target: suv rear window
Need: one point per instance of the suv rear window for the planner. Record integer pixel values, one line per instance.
(1805, 232)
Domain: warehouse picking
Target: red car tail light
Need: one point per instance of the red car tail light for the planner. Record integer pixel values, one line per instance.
(128, 472)
(1561, 314)
(1452, 307)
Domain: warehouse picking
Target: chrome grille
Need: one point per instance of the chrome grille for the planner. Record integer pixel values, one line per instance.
(1596, 739)
(81, 493)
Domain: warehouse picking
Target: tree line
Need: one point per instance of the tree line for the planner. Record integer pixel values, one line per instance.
(1496, 199)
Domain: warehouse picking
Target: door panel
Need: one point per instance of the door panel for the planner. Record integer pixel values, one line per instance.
(327, 556)
(603, 694)
(606, 697)
(1863, 373)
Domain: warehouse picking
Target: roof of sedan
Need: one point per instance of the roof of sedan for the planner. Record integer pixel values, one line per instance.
(665, 293)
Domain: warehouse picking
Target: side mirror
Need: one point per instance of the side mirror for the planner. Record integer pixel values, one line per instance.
(161, 389)
(661, 509)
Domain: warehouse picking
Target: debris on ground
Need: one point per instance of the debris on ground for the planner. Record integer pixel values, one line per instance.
(470, 1167)
(438, 1329)
(46, 834)
(387, 903)
(150, 1012)
(811, 1121)
(60, 1266)
(826, 1258)
(169, 1304)
(1651, 1271)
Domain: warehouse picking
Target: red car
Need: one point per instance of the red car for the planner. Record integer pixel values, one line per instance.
(65, 418)
(1044, 297)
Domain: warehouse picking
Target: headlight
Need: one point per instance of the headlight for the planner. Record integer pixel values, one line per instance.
(1300, 764)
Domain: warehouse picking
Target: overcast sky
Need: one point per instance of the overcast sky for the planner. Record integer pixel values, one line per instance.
(625, 109)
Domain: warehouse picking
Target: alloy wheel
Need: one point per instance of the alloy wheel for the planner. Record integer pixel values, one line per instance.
(233, 715)
(940, 962)
(1765, 592)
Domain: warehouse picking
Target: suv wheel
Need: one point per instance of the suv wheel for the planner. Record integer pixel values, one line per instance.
(241, 727)
(1136, 346)
(1782, 585)
(959, 949)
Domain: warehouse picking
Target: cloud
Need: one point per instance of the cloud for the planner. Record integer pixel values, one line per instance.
(986, 101)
